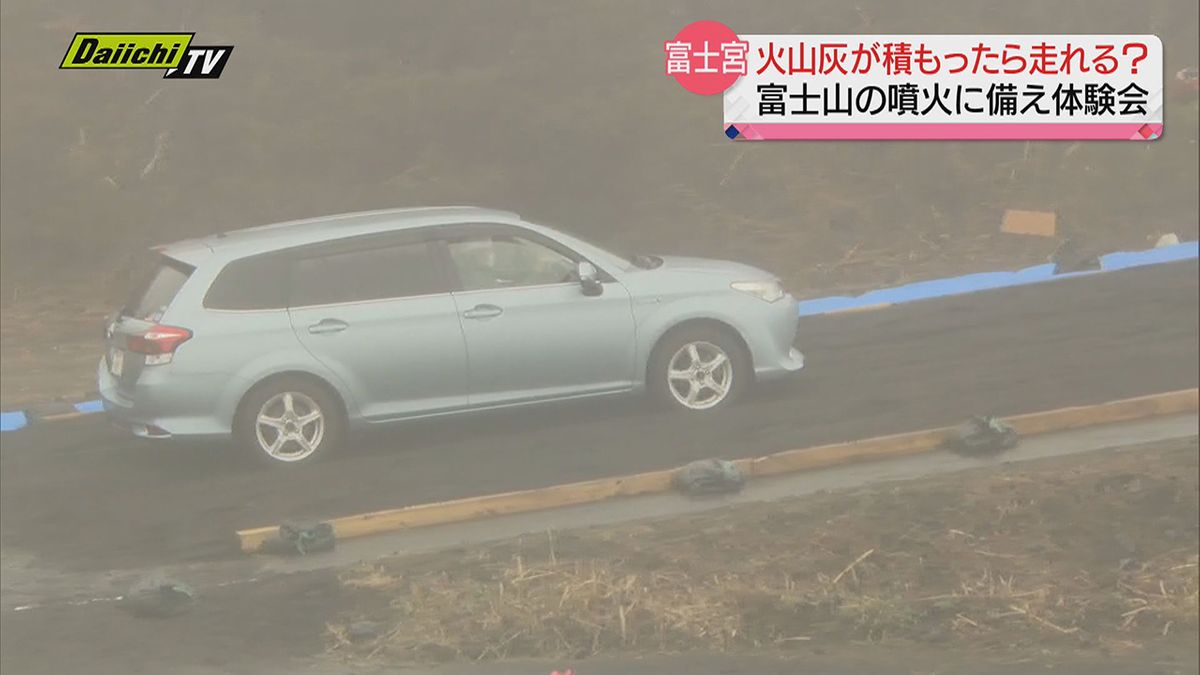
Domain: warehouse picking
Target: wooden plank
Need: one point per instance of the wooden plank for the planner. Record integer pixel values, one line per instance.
(855, 310)
(1040, 223)
(821, 457)
(1063, 419)
(473, 508)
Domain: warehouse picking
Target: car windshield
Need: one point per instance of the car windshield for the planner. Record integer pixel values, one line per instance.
(627, 263)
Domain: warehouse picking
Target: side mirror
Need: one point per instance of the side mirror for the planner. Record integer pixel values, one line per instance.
(589, 279)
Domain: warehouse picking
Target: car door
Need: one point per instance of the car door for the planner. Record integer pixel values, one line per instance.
(531, 332)
(378, 313)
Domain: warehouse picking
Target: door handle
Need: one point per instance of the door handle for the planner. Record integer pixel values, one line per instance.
(482, 312)
(328, 326)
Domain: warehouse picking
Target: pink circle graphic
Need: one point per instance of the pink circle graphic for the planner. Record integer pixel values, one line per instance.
(706, 57)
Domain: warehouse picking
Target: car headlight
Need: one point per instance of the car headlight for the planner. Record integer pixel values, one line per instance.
(769, 291)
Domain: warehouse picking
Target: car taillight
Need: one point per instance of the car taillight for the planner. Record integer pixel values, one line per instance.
(158, 343)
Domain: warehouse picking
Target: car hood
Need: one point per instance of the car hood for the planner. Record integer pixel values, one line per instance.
(724, 268)
(688, 275)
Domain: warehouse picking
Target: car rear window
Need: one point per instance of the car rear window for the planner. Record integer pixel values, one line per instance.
(367, 274)
(159, 286)
(257, 282)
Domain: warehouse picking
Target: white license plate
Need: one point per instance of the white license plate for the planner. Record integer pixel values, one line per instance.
(116, 362)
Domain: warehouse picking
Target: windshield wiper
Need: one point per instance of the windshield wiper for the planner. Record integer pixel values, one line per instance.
(646, 262)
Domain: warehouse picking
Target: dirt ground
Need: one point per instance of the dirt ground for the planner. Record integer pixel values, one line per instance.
(1083, 555)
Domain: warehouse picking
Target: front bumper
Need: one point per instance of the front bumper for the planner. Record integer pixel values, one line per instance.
(776, 347)
(788, 364)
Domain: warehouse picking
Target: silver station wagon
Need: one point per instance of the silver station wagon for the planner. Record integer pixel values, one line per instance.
(288, 336)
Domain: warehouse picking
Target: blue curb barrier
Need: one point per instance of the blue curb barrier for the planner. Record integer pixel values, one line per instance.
(971, 283)
(11, 421)
(90, 406)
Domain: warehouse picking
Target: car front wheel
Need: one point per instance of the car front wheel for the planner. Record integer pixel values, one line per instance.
(698, 370)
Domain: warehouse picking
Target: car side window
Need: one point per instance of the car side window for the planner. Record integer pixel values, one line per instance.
(254, 283)
(505, 261)
(395, 271)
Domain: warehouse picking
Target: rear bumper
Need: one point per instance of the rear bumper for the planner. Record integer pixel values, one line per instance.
(136, 428)
(157, 407)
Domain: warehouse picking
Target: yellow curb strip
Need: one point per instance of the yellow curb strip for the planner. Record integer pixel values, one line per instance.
(788, 461)
(62, 416)
(855, 310)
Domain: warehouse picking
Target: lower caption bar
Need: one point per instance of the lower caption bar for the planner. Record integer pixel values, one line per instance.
(762, 131)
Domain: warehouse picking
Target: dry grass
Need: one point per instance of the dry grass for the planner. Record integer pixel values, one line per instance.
(1103, 556)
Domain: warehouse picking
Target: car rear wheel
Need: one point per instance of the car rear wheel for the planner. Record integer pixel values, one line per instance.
(289, 421)
(699, 369)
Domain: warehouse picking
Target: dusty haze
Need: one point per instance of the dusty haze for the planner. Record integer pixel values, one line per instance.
(558, 110)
